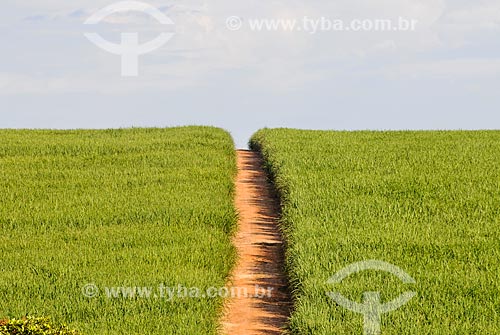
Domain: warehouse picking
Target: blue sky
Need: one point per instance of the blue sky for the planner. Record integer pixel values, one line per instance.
(443, 75)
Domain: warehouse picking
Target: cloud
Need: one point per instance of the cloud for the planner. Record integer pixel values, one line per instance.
(204, 47)
(478, 16)
(13, 83)
(78, 14)
(36, 18)
(455, 69)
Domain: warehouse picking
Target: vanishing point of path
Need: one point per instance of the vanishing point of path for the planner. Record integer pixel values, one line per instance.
(261, 258)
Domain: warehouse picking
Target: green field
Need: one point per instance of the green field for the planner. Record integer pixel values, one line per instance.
(116, 208)
(427, 202)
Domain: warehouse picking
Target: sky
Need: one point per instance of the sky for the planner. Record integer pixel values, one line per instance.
(444, 74)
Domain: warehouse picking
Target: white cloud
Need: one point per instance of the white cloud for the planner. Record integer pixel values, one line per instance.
(456, 69)
(476, 16)
(204, 47)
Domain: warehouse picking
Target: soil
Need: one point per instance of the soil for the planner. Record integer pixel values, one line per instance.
(261, 256)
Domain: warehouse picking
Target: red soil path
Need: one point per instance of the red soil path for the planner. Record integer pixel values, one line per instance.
(261, 259)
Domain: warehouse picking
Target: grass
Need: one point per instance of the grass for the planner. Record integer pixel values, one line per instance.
(112, 208)
(427, 202)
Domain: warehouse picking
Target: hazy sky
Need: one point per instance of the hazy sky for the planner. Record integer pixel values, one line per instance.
(443, 75)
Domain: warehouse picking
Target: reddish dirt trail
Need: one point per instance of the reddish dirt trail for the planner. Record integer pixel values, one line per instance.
(261, 259)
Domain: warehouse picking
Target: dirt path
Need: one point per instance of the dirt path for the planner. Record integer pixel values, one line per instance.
(260, 249)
